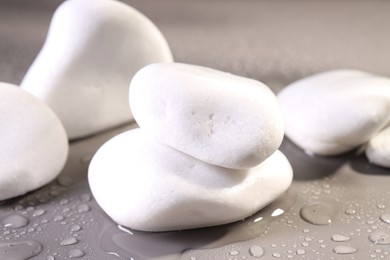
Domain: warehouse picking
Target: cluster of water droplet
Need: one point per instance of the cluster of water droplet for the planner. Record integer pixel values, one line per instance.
(29, 217)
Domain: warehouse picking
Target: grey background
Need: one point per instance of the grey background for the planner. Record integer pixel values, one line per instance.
(276, 42)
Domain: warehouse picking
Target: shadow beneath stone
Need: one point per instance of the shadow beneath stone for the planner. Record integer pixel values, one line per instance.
(360, 164)
(309, 167)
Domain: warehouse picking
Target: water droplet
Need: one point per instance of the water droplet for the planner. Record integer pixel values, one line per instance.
(234, 252)
(64, 181)
(339, 238)
(58, 218)
(75, 228)
(15, 221)
(318, 213)
(20, 250)
(64, 201)
(276, 255)
(379, 238)
(300, 252)
(85, 197)
(350, 211)
(342, 250)
(256, 251)
(50, 257)
(38, 212)
(83, 208)
(69, 241)
(385, 217)
(380, 206)
(76, 253)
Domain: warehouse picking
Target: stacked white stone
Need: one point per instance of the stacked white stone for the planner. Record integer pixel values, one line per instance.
(205, 153)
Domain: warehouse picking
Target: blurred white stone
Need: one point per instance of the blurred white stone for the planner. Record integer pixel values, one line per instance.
(217, 117)
(33, 142)
(335, 111)
(92, 50)
(145, 185)
(378, 149)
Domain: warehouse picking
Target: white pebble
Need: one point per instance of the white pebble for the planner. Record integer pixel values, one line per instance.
(216, 117)
(333, 112)
(145, 185)
(378, 149)
(92, 50)
(34, 145)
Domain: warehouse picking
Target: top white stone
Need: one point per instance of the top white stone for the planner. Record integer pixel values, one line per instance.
(336, 111)
(92, 50)
(33, 142)
(219, 118)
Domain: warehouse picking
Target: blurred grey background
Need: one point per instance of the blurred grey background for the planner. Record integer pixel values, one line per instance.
(274, 41)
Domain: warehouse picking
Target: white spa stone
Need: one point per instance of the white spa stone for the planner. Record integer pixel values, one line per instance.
(145, 185)
(216, 117)
(33, 142)
(335, 111)
(92, 50)
(378, 149)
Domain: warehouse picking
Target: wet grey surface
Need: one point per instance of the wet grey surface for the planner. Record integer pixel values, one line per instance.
(274, 41)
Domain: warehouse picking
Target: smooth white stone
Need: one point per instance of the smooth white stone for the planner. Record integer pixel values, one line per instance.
(378, 149)
(335, 111)
(217, 117)
(92, 50)
(145, 185)
(33, 142)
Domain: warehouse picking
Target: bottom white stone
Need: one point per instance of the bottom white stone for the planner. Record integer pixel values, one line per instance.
(145, 185)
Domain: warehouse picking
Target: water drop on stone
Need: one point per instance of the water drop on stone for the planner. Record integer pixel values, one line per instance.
(385, 217)
(69, 241)
(50, 257)
(318, 213)
(380, 206)
(15, 221)
(380, 238)
(300, 252)
(76, 253)
(20, 250)
(256, 251)
(276, 255)
(339, 238)
(342, 250)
